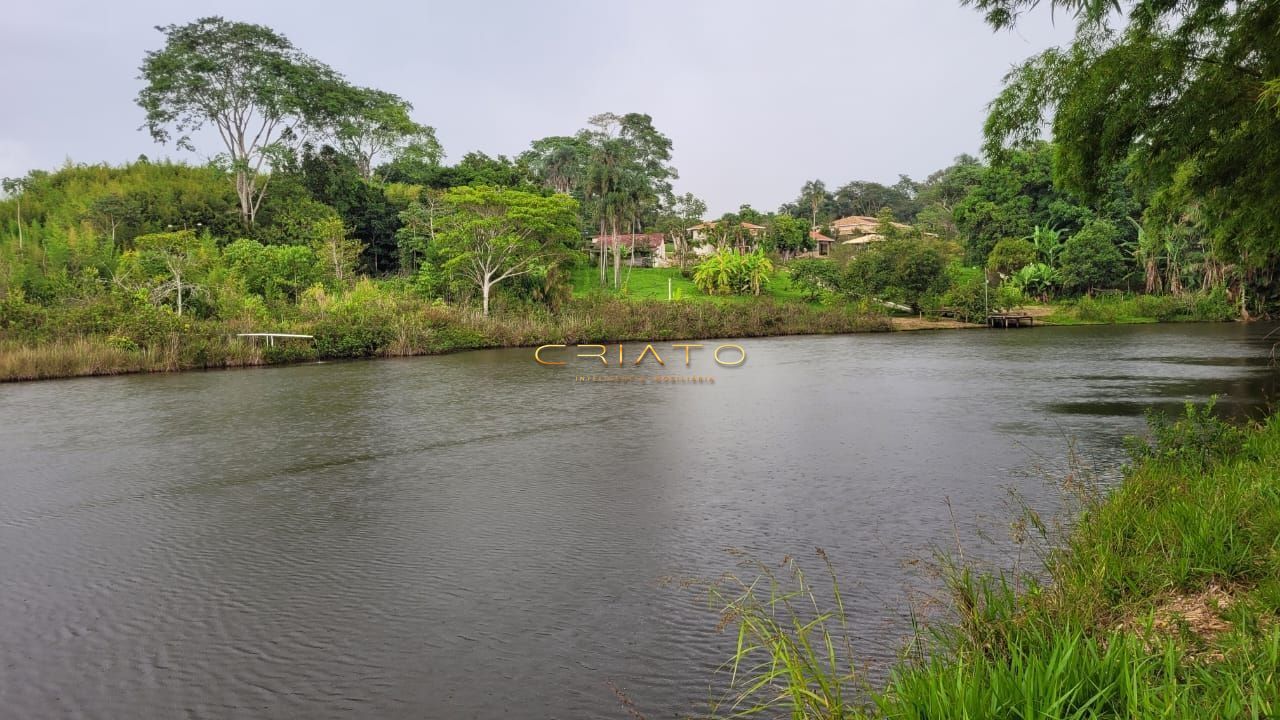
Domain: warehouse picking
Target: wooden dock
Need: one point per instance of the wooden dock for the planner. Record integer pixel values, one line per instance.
(1009, 320)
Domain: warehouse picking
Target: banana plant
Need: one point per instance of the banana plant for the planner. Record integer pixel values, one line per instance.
(1036, 279)
(1047, 242)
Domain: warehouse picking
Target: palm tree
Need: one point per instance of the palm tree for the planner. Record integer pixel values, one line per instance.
(601, 187)
(814, 194)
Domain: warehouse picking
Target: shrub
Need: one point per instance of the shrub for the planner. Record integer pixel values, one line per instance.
(1214, 306)
(352, 336)
(968, 293)
(1010, 254)
(1090, 258)
(1199, 437)
(897, 270)
(814, 277)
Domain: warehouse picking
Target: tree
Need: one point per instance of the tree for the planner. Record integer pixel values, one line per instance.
(377, 123)
(675, 220)
(272, 270)
(334, 179)
(813, 196)
(1166, 88)
(338, 252)
(1010, 254)
(559, 161)
(1010, 198)
(262, 95)
(788, 236)
(1090, 258)
(628, 177)
(418, 228)
(903, 271)
(168, 262)
(111, 212)
(14, 187)
(862, 197)
(939, 194)
(815, 277)
(492, 234)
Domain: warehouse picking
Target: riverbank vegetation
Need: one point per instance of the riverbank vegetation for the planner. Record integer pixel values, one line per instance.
(327, 203)
(1162, 600)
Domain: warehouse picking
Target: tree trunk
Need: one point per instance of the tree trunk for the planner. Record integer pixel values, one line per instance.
(484, 291)
(617, 252)
(600, 249)
(178, 278)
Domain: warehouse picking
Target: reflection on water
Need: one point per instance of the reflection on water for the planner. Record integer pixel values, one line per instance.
(472, 535)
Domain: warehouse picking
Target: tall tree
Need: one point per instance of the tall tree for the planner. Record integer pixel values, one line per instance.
(677, 217)
(1171, 88)
(629, 176)
(559, 161)
(492, 234)
(376, 124)
(813, 196)
(14, 187)
(262, 95)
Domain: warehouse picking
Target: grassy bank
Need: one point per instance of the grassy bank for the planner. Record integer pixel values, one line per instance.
(654, 284)
(1120, 309)
(377, 321)
(1161, 602)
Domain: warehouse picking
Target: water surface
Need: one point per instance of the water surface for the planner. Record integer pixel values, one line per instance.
(476, 536)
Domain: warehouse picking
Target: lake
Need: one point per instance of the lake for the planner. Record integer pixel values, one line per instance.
(477, 535)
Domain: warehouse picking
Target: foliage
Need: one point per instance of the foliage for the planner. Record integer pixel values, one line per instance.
(1010, 254)
(492, 234)
(730, 272)
(335, 180)
(967, 293)
(1090, 258)
(374, 123)
(1168, 90)
(1036, 279)
(1157, 601)
(816, 278)
(791, 658)
(787, 235)
(1199, 438)
(902, 271)
(273, 271)
(261, 93)
(1011, 198)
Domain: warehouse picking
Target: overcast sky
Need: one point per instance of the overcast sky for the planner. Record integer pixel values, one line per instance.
(757, 97)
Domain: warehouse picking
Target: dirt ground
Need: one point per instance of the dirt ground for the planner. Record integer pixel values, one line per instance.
(917, 323)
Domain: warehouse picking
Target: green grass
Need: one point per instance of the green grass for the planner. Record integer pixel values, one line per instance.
(651, 284)
(1162, 601)
(1124, 309)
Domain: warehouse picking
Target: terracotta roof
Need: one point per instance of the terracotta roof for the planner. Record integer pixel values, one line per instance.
(863, 222)
(864, 239)
(819, 236)
(641, 240)
(853, 220)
